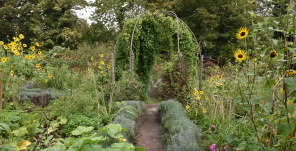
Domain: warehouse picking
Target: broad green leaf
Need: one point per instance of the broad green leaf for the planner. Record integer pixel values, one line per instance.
(269, 149)
(81, 130)
(54, 124)
(21, 131)
(242, 145)
(6, 128)
(123, 146)
(114, 130)
(285, 129)
(14, 118)
(63, 121)
(291, 81)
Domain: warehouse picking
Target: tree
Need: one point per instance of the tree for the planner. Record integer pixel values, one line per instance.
(14, 18)
(112, 13)
(55, 23)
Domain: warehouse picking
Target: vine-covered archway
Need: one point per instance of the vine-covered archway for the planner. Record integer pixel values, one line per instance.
(143, 38)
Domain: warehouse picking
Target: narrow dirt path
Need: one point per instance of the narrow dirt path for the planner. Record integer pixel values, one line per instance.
(149, 134)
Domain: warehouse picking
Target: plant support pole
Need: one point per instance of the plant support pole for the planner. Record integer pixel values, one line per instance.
(200, 72)
(113, 67)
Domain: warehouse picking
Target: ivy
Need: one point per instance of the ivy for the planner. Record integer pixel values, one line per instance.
(154, 34)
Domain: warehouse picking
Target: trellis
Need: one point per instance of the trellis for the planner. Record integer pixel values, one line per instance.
(180, 55)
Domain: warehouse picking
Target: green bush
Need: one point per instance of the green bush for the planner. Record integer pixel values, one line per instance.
(127, 117)
(77, 120)
(180, 132)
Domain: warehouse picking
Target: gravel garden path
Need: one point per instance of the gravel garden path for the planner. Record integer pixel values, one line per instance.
(149, 134)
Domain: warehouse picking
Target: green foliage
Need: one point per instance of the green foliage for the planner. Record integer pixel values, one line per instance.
(127, 116)
(78, 120)
(89, 140)
(154, 35)
(180, 132)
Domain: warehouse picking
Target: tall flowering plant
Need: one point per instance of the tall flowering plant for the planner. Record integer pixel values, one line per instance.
(18, 61)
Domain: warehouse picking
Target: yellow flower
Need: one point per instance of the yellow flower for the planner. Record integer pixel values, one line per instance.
(88, 69)
(200, 104)
(101, 55)
(99, 67)
(27, 56)
(108, 66)
(102, 71)
(32, 48)
(122, 139)
(197, 98)
(4, 59)
(243, 32)
(92, 58)
(1, 43)
(102, 62)
(45, 80)
(206, 98)
(39, 52)
(13, 49)
(201, 92)
(15, 39)
(21, 36)
(212, 80)
(94, 64)
(218, 102)
(204, 111)
(38, 65)
(11, 73)
(12, 44)
(290, 102)
(282, 90)
(17, 54)
(240, 55)
(50, 75)
(187, 107)
(37, 44)
(218, 76)
(5, 47)
(24, 45)
(23, 145)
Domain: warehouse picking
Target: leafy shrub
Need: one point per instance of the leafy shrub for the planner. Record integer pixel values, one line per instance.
(128, 114)
(180, 132)
(77, 120)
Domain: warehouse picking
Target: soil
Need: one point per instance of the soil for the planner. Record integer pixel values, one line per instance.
(149, 133)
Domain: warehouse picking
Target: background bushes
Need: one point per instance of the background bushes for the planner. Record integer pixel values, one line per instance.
(179, 131)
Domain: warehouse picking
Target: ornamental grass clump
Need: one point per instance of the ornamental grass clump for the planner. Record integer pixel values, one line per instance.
(127, 117)
(180, 132)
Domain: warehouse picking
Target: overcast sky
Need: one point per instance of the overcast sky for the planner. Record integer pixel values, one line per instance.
(85, 13)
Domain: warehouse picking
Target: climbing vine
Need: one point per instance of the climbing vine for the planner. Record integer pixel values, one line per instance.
(154, 34)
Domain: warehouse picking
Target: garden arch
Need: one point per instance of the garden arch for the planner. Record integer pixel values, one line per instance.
(148, 35)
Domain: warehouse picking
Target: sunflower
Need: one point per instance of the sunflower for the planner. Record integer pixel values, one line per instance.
(240, 55)
(50, 75)
(1, 43)
(39, 52)
(21, 36)
(3, 59)
(24, 45)
(108, 66)
(101, 55)
(273, 54)
(32, 48)
(243, 32)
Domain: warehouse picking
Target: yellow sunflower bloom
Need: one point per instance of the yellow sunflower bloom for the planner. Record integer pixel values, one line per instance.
(101, 55)
(187, 107)
(32, 48)
(37, 44)
(21, 36)
(108, 66)
(4, 59)
(204, 111)
(102, 62)
(50, 75)
(5, 47)
(240, 55)
(24, 45)
(39, 52)
(1, 43)
(243, 32)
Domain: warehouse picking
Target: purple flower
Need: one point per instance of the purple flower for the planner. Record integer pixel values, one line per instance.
(213, 126)
(234, 148)
(213, 147)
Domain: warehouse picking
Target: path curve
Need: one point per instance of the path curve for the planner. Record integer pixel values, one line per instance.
(149, 134)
